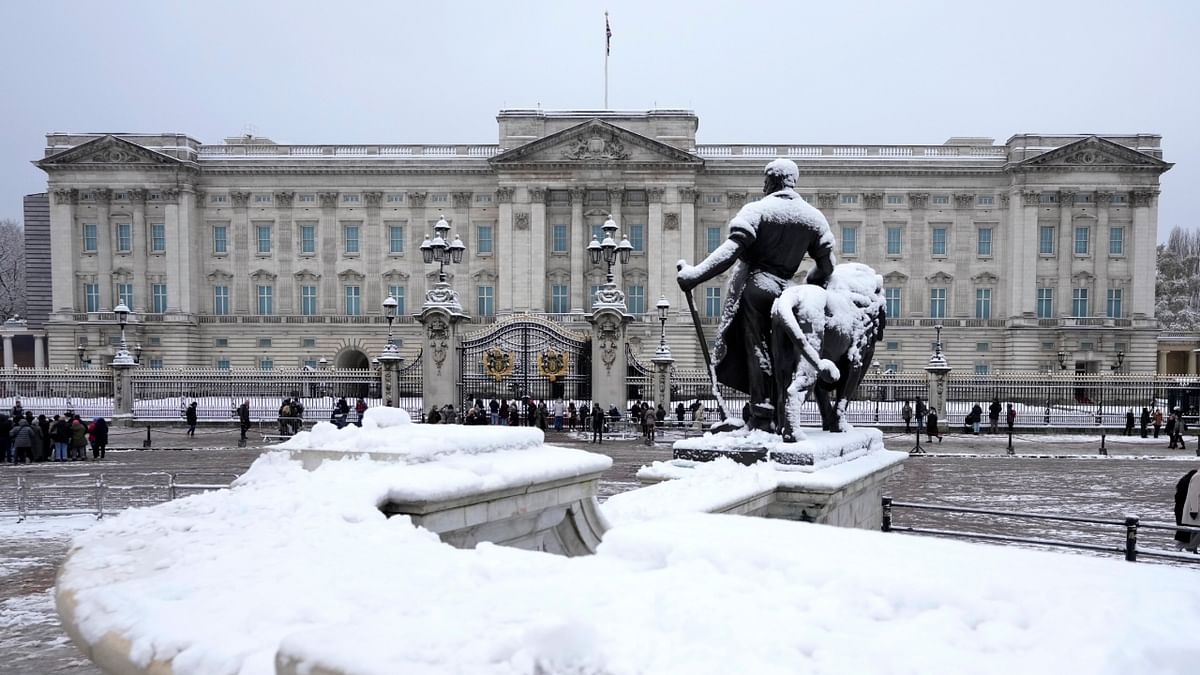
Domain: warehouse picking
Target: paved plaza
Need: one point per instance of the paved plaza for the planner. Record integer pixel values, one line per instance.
(1049, 474)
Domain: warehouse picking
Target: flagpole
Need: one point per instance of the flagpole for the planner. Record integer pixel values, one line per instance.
(607, 39)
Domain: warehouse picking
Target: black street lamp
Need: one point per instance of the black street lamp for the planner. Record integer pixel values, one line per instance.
(123, 357)
(610, 252)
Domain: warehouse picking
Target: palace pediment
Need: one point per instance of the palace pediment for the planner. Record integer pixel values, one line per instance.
(107, 151)
(1092, 153)
(595, 142)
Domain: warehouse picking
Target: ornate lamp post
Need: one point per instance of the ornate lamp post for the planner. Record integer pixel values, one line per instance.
(442, 251)
(81, 350)
(610, 252)
(662, 357)
(390, 358)
(123, 357)
(937, 369)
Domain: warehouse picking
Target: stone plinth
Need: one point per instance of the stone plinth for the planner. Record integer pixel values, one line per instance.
(812, 450)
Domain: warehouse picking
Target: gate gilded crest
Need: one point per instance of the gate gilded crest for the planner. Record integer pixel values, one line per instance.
(552, 365)
(497, 364)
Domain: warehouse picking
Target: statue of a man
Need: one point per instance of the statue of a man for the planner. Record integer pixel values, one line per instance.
(768, 240)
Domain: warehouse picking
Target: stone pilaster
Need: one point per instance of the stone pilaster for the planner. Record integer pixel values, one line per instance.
(141, 251)
(64, 254)
(1143, 240)
(687, 246)
(372, 248)
(656, 252)
(1066, 255)
(441, 333)
(919, 253)
(241, 250)
(580, 237)
(1100, 260)
(285, 226)
(104, 248)
(505, 298)
(122, 374)
(608, 357)
(537, 249)
(327, 242)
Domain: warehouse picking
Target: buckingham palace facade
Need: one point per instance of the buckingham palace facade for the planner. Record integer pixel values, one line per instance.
(253, 253)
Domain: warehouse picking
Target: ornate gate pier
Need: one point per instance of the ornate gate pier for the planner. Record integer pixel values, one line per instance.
(525, 356)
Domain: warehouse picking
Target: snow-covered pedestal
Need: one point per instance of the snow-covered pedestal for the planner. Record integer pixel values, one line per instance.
(834, 479)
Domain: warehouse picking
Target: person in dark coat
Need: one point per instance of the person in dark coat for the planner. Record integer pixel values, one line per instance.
(78, 445)
(994, 415)
(44, 427)
(931, 425)
(1144, 420)
(1129, 422)
(906, 414)
(1187, 499)
(24, 438)
(190, 416)
(7, 426)
(976, 418)
(679, 411)
(597, 424)
(922, 411)
(1178, 430)
(243, 413)
(435, 417)
(98, 434)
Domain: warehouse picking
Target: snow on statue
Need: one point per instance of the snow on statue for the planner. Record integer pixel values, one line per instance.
(768, 239)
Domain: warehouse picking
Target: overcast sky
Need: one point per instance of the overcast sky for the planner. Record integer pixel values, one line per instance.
(437, 72)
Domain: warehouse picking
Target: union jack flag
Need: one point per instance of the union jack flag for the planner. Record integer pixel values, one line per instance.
(607, 36)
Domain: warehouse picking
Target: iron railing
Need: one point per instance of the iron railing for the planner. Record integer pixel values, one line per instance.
(1129, 526)
(64, 494)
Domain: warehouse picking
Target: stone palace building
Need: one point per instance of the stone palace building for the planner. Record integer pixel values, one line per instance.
(252, 253)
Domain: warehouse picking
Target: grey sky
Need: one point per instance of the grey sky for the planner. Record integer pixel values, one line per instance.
(800, 72)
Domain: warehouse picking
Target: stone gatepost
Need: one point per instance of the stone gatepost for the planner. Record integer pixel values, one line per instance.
(390, 362)
(122, 375)
(439, 359)
(662, 375)
(937, 369)
(608, 355)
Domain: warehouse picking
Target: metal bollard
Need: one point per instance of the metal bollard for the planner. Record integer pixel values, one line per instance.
(100, 497)
(171, 486)
(1103, 450)
(887, 515)
(146, 443)
(1010, 447)
(1131, 525)
(22, 488)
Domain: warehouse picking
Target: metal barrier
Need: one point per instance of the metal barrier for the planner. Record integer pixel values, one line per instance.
(101, 493)
(1130, 526)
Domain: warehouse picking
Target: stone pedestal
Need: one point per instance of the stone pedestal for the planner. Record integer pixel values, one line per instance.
(122, 374)
(608, 356)
(390, 362)
(440, 363)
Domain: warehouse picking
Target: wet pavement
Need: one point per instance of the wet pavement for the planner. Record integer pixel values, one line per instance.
(1046, 474)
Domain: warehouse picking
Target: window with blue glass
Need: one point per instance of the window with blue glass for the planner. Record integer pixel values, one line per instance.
(635, 299)
(560, 302)
(937, 303)
(938, 241)
(984, 242)
(397, 292)
(266, 299)
(124, 237)
(125, 294)
(158, 298)
(91, 297)
(308, 300)
(263, 238)
(1082, 236)
(891, 298)
(220, 300)
(712, 302)
(1079, 302)
(486, 301)
(849, 240)
(637, 237)
(559, 237)
(1116, 241)
(350, 238)
(895, 237)
(983, 303)
(353, 300)
(308, 238)
(220, 240)
(1114, 303)
(483, 239)
(158, 237)
(712, 240)
(1046, 240)
(1045, 303)
(395, 239)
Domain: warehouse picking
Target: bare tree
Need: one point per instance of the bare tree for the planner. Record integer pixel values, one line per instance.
(12, 269)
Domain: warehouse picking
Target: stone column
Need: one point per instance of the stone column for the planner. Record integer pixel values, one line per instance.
(104, 248)
(608, 356)
(327, 231)
(371, 246)
(188, 276)
(1066, 254)
(8, 352)
(39, 351)
(390, 362)
(916, 290)
(178, 277)
(580, 238)
(241, 252)
(505, 298)
(122, 374)
(64, 253)
(873, 238)
(1191, 360)
(441, 330)
(537, 238)
(656, 253)
(1023, 213)
(662, 361)
(141, 252)
(419, 224)
(687, 246)
(460, 219)
(1143, 240)
(285, 289)
(1100, 252)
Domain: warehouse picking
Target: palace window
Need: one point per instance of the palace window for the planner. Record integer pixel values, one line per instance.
(1046, 240)
(125, 294)
(221, 300)
(1045, 303)
(220, 239)
(637, 237)
(308, 343)
(712, 239)
(895, 200)
(636, 297)
(891, 297)
(124, 237)
(985, 200)
(398, 198)
(895, 239)
(266, 299)
(560, 239)
(483, 198)
(984, 242)
(397, 292)
(158, 238)
(351, 199)
(1048, 198)
(849, 240)
(91, 297)
(308, 238)
(221, 342)
(559, 300)
(982, 347)
(712, 301)
(222, 364)
(486, 301)
(1114, 303)
(1119, 199)
(439, 198)
(483, 241)
(940, 199)
(598, 233)
(266, 364)
(350, 238)
(1082, 234)
(983, 303)
(263, 238)
(1079, 302)
(395, 239)
(981, 368)
(712, 199)
(353, 301)
(1116, 241)
(938, 241)
(89, 237)
(308, 300)
(937, 303)
(158, 298)
(262, 199)
(218, 199)
(264, 343)
(306, 198)
(848, 200)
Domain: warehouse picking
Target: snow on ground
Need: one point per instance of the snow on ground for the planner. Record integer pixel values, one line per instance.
(305, 561)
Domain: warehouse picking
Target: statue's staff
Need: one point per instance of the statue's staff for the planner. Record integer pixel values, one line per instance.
(725, 424)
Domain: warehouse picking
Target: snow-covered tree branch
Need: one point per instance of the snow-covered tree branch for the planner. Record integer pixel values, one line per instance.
(1177, 286)
(12, 269)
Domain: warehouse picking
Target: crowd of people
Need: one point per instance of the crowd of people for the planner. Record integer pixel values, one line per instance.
(66, 437)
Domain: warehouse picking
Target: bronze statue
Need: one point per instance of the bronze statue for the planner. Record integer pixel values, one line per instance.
(777, 349)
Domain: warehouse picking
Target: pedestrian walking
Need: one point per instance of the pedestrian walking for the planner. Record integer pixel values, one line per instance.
(906, 414)
(1011, 417)
(921, 411)
(190, 416)
(1144, 420)
(572, 416)
(1171, 429)
(243, 414)
(679, 411)
(597, 423)
(1156, 419)
(647, 419)
(560, 413)
(1180, 428)
(994, 415)
(931, 425)
(98, 435)
(1129, 422)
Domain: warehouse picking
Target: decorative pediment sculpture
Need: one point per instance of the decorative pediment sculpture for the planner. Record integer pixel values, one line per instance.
(597, 146)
